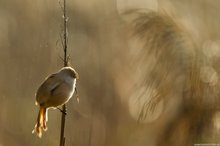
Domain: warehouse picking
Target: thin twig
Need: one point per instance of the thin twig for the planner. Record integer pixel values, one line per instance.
(64, 44)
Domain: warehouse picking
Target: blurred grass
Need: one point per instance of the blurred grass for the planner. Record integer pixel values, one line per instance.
(98, 47)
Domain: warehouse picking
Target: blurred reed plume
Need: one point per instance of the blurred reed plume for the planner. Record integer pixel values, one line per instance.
(172, 82)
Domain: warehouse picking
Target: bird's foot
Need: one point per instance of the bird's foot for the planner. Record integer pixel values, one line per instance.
(62, 111)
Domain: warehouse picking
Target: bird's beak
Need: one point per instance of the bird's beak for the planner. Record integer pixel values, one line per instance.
(77, 76)
(77, 96)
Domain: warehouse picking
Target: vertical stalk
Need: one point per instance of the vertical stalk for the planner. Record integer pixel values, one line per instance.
(65, 33)
(63, 118)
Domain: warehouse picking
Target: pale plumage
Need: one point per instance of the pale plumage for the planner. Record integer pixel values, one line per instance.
(55, 91)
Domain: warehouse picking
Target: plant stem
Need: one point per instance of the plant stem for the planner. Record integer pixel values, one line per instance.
(63, 118)
(65, 33)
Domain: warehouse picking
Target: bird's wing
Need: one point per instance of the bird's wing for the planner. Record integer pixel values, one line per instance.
(47, 88)
(52, 83)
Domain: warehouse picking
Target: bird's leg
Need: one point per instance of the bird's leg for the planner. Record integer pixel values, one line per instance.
(64, 112)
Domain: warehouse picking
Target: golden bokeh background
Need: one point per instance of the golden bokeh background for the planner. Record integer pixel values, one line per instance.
(110, 69)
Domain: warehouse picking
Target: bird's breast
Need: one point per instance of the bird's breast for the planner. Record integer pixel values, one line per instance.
(71, 84)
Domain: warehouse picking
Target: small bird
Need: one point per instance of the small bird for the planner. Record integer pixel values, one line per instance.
(55, 91)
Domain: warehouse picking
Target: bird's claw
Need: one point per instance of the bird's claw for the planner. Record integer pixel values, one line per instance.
(62, 111)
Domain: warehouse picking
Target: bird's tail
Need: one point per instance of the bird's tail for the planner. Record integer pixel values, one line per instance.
(41, 122)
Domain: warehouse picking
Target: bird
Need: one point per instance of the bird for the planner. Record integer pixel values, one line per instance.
(55, 91)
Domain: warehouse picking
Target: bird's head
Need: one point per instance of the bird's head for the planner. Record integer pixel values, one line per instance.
(70, 71)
